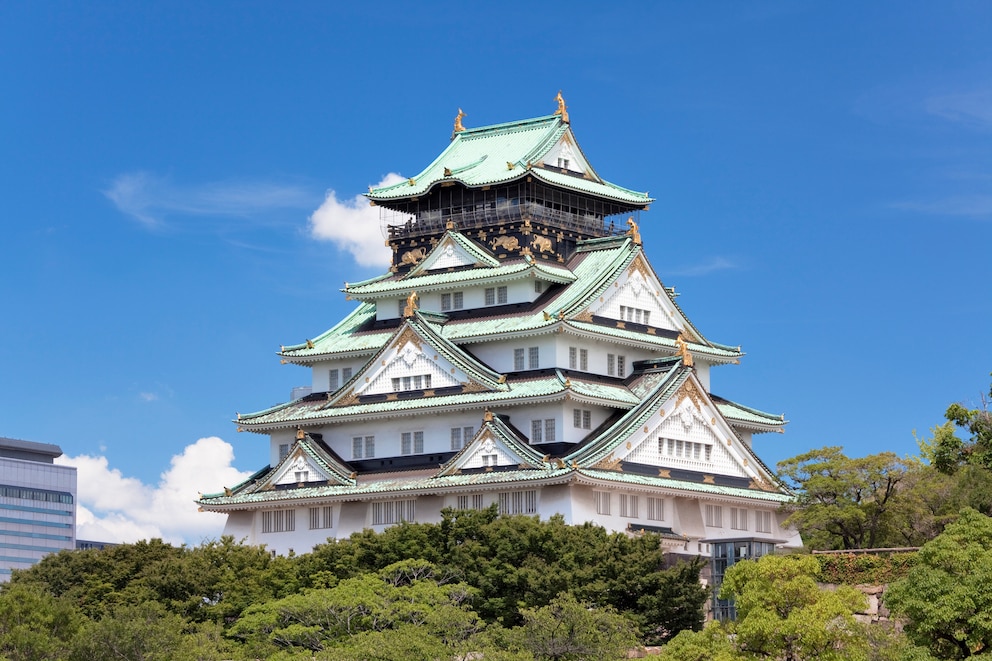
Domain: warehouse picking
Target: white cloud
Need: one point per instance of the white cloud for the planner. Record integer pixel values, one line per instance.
(148, 396)
(973, 108)
(353, 225)
(151, 199)
(115, 508)
(705, 268)
(975, 206)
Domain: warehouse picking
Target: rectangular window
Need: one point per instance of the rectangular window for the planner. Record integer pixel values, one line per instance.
(501, 295)
(538, 286)
(412, 442)
(458, 300)
(763, 521)
(472, 502)
(490, 459)
(332, 381)
(414, 382)
(577, 418)
(533, 358)
(647, 313)
(518, 360)
(345, 374)
(573, 358)
(582, 418)
(628, 505)
(445, 302)
(518, 502)
(393, 511)
(302, 476)
(460, 436)
(321, 517)
(656, 509)
(602, 499)
(611, 364)
(637, 316)
(490, 296)
(401, 308)
(283, 451)
(621, 365)
(549, 430)
(363, 447)
(685, 449)
(738, 518)
(586, 419)
(536, 431)
(584, 360)
(279, 521)
(714, 516)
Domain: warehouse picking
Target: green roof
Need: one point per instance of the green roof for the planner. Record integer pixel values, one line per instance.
(502, 153)
(316, 409)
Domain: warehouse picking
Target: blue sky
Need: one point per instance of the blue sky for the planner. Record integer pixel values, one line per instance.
(823, 176)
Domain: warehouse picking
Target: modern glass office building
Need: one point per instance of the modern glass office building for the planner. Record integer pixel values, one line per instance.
(37, 504)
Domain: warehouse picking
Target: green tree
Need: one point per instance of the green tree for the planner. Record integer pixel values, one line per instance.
(947, 452)
(844, 503)
(783, 614)
(34, 625)
(947, 596)
(568, 630)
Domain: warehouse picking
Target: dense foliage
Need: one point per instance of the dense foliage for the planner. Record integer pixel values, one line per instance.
(512, 587)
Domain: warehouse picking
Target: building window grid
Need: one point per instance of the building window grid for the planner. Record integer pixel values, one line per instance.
(582, 418)
(393, 511)
(321, 517)
(363, 447)
(542, 431)
(460, 436)
(533, 358)
(518, 502)
(518, 360)
(412, 382)
(279, 521)
(690, 450)
(714, 516)
(763, 521)
(636, 315)
(453, 301)
(412, 442)
(469, 502)
(656, 509)
(628, 505)
(602, 500)
(738, 518)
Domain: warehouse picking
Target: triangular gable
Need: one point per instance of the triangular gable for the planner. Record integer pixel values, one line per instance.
(678, 427)
(307, 462)
(565, 154)
(638, 296)
(495, 445)
(453, 251)
(418, 358)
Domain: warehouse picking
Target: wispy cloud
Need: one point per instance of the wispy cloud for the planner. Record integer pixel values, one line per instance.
(148, 396)
(711, 265)
(156, 202)
(972, 108)
(973, 206)
(115, 508)
(353, 226)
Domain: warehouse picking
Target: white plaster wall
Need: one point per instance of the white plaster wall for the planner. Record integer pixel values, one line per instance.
(320, 373)
(498, 355)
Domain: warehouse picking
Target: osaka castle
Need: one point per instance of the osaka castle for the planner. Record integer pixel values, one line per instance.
(519, 352)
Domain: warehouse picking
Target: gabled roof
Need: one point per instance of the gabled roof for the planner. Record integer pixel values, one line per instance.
(748, 417)
(502, 153)
(428, 281)
(316, 409)
(495, 436)
(332, 469)
(457, 243)
(612, 445)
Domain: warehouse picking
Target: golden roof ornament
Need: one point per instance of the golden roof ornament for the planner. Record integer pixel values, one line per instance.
(562, 109)
(487, 416)
(300, 433)
(633, 232)
(458, 121)
(683, 350)
(411, 305)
